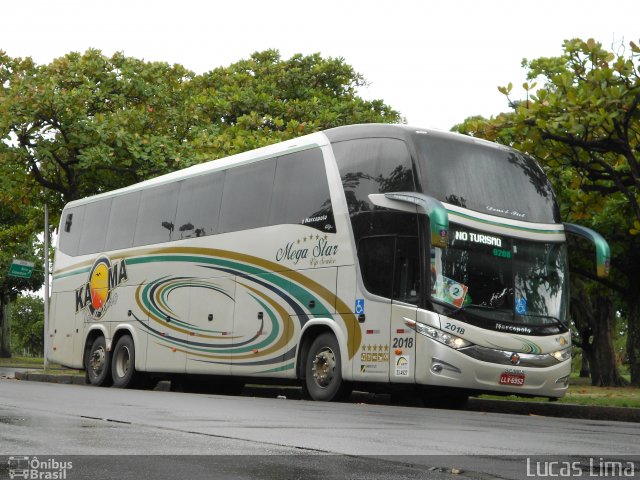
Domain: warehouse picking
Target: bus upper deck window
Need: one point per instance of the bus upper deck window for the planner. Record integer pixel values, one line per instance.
(68, 222)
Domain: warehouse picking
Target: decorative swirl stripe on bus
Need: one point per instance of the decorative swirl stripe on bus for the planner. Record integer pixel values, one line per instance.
(291, 288)
(527, 345)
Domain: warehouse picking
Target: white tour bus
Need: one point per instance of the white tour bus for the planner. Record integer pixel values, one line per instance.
(371, 255)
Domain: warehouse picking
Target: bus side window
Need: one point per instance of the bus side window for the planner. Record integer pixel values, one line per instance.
(390, 267)
(71, 230)
(199, 206)
(157, 215)
(406, 282)
(376, 255)
(301, 192)
(94, 229)
(246, 196)
(122, 221)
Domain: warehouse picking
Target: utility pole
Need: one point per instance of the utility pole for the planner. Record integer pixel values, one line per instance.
(45, 337)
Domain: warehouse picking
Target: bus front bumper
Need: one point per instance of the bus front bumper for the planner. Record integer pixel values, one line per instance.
(446, 367)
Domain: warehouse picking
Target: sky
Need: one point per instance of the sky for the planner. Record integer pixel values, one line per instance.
(437, 62)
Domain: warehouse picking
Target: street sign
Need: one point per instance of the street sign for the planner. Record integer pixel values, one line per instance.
(21, 269)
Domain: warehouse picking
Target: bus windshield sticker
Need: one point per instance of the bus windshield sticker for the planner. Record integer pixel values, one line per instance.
(449, 291)
(521, 306)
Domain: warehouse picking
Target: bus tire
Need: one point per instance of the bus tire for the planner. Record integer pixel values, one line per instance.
(323, 370)
(123, 363)
(98, 364)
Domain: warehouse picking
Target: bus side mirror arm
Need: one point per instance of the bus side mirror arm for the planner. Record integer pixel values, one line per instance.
(603, 252)
(432, 208)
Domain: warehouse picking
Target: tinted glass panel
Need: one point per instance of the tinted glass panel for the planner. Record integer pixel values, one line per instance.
(372, 165)
(246, 196)
(199, 206)
(301, 192)
(406, 281)
(156, 216)
(122, 221)
(375, 255)
(71, 229)
(486, 179)
(94, 230)
(390, 267)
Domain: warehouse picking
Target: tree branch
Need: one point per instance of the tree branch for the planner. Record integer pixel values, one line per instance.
(602, 281)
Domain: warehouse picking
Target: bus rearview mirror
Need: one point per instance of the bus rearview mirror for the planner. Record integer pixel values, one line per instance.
(432, 208)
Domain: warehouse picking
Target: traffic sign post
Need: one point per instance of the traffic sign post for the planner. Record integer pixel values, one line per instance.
(21, 269)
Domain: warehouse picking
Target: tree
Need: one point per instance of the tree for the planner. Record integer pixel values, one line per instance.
(584, 127)
(19, 219)
(87, 123)
(27, 325)
(265, 99)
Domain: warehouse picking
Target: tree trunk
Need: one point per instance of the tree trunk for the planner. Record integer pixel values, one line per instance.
(585, 372)
(602, 358)
(5, 330)
(594, 317)
(633, 338)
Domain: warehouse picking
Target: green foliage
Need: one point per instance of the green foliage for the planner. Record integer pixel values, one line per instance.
(87, 123)
(27, 325)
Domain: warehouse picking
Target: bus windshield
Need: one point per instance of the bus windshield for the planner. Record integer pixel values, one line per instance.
(485, 178)
(500, 282)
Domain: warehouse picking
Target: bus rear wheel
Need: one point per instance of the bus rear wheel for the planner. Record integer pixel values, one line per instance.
(98, 364)
(123, 364)
(323, 371)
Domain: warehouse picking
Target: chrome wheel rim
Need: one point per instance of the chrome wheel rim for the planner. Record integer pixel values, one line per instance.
(96, 361)
(324, 367)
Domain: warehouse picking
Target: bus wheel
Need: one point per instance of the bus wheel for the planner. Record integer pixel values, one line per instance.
(123, 369)
(323, 370)
(98, 364)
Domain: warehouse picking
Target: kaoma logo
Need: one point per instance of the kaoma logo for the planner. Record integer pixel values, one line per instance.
(96, 296)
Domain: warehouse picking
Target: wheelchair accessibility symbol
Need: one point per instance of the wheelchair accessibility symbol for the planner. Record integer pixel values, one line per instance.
(359, 306)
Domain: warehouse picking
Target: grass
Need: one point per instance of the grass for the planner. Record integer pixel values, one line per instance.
(580, 391)
(35, 363)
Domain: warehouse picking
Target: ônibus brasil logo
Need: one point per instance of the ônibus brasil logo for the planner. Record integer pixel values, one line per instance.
(96, 295)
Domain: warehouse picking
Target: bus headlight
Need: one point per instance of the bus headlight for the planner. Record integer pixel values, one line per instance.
(562, 355)
(439, 336)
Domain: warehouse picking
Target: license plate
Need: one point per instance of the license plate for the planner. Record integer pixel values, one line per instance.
(513, 379)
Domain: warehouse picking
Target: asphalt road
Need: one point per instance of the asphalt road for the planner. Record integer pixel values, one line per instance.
(152, 434)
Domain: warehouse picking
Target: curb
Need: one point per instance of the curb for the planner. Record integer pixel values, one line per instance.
(552, 409)
(548, 409)
(51, 378)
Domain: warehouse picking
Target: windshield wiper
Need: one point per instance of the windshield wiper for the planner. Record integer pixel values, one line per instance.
(458, 309)
(473, 305)
(555, 319)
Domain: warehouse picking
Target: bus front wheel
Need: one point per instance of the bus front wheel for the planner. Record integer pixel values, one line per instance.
(323, 370)
(123, 364)
(98, 364)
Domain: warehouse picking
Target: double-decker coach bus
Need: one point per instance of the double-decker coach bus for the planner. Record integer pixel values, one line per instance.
(376, 255)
